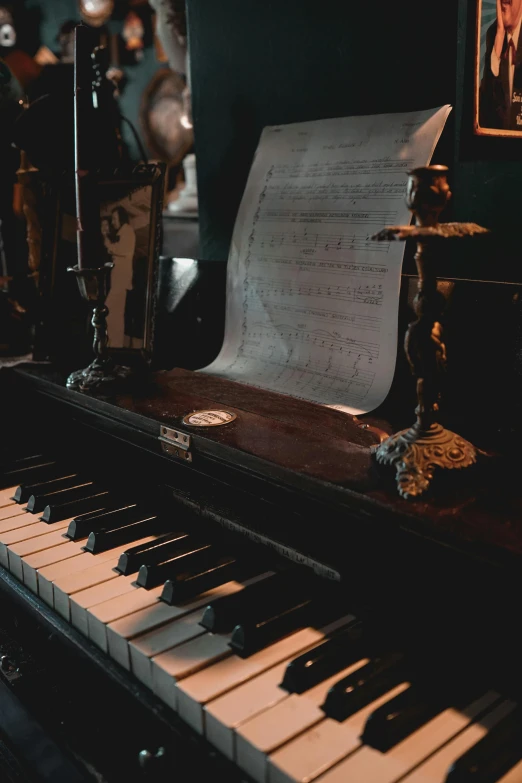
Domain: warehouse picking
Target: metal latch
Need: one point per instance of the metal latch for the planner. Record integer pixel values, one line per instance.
(175, 443)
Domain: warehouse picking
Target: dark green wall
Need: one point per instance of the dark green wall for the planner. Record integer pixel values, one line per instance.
(261, 62)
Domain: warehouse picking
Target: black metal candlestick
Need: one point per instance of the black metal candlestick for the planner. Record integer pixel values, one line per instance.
(426, 445)
(102, 372)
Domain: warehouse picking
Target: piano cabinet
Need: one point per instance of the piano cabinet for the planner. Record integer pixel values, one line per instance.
(105, 678)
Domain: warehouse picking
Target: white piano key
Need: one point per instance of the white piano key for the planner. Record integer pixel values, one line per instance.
(28, 532)
(214, 681)
(48, 575)
(99, 616)
(513, 776)
(6, 496)
(80, 602)
(435, 769)
(264, 733)
(291, 764)
(13, 510)
(16, 522)
(102, 569)
(121, 631)
(29, 546)
(12, 537)
(144, 647)
(184, 660)
(56, 554)
(225, 714)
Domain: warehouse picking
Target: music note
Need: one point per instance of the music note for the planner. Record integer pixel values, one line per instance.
(313, 297)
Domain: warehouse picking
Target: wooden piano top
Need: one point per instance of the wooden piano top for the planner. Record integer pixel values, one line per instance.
(316, 453)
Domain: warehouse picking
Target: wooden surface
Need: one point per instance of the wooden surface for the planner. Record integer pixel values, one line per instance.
(317, 454)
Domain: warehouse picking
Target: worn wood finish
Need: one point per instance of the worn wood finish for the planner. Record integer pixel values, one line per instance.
(303, 458)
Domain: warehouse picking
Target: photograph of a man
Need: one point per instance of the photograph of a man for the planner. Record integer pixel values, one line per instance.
(499, 67)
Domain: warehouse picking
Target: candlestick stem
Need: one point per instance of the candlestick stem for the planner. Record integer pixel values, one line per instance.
(426, 445)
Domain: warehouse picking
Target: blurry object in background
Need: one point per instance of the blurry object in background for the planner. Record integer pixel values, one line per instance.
(44, 56)
(96, 12)
(31, 194)
(161, 117)
(128, 199)
(191, 302)
(186, 204)
(133, 33)
(159, 51)
(14, 326)
(7, 30)
(171, 30)
(25, 69)
(65, 40)
(46, 129)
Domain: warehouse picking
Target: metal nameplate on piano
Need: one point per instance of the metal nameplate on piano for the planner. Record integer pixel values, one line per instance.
(175, 443)
(209, 418)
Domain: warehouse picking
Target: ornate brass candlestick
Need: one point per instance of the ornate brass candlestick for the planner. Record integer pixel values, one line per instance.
(102, 372)
(417, 451)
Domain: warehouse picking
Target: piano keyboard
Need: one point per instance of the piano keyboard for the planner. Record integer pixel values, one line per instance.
(265, 663)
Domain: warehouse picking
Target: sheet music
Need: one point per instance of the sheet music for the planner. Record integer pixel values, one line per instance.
(312, 302)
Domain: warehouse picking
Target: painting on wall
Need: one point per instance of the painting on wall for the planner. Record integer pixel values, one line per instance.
(498, 68)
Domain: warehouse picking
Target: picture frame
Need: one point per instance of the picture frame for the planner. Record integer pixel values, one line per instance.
(498, 69)
(130, 205)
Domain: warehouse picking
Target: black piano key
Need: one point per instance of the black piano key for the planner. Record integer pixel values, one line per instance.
(82, 525)
(146, 554)
(24, 475)
(224, 570)
(109, 538)
(66, 480)
(56, 513)
(176, 566)
(250, 636)
(37, 503)
(222, 615)
(325, 660)
(365, 685)
(11, 464)
(410, 710)
(493, 756)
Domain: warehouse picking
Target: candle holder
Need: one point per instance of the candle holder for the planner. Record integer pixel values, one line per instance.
(426, 445)
(102, 372)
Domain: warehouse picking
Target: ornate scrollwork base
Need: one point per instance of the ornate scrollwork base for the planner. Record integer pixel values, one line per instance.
(98, 376)
(415, 453)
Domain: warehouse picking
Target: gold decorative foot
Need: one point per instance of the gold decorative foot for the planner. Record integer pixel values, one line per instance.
(415, 453)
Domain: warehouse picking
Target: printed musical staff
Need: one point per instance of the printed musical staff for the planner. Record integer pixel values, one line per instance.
(312, 300)
(377, 217)
(310, 239)
(373, 271)
(365, 294)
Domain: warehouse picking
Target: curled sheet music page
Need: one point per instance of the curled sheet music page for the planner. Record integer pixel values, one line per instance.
(312, 302)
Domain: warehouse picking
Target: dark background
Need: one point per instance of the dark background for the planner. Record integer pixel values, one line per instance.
(264, 62)
(38, 22)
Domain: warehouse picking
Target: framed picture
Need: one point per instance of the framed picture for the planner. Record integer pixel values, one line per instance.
(498, 68)
(130, 207)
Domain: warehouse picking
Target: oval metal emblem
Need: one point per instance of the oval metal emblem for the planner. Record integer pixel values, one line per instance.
(208, 418)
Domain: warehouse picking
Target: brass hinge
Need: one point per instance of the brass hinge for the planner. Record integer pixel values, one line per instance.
(175, 443)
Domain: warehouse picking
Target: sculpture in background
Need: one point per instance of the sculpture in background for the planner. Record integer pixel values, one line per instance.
(171, 29)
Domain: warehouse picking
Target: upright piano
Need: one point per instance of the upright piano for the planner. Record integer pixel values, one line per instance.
(254, 601)
(245, 602)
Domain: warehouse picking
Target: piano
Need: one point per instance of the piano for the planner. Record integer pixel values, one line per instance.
(255, 602)
(248, 602)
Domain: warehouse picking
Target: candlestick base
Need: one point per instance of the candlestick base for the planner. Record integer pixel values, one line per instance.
(98, 376)
(416, 452)
(103, 374)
